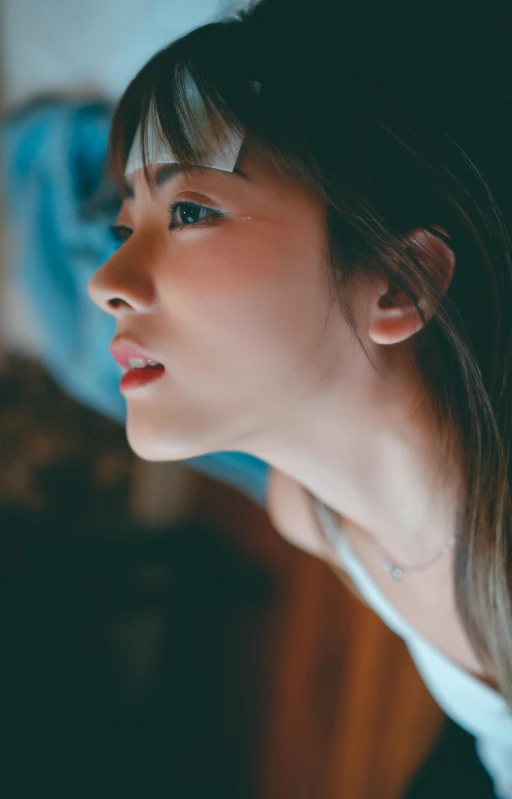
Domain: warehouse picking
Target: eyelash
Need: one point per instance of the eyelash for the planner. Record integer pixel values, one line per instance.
(121, 232)
(212, 217)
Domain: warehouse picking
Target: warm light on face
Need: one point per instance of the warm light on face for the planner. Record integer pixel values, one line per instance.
(220, 276)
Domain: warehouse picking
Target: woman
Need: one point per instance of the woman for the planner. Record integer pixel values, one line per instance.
(316, 270)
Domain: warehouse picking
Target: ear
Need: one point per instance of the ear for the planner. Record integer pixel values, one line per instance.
(394, 316)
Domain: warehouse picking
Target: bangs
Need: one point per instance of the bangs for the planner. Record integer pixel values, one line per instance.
(218, 61)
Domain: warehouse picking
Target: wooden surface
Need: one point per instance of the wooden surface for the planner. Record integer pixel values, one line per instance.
(345, 713)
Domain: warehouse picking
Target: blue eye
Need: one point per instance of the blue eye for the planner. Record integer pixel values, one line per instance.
(188, 214)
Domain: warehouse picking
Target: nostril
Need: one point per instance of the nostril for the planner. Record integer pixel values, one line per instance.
(116, 302)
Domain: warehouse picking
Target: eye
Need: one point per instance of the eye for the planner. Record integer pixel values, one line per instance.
(188, 214)
(120, 233)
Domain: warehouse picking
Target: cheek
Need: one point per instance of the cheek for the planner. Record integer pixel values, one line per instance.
(248, 288)
(243, 316)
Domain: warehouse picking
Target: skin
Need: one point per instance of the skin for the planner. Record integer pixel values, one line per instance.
(259, 358)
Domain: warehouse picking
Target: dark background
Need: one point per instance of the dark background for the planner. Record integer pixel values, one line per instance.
(206, 657)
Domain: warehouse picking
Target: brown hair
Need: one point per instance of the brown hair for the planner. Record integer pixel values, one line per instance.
(389, 138)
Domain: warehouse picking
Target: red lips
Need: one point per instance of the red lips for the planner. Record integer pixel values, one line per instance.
(122, 349)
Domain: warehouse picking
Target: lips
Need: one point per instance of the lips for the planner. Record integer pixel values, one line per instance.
(123, 350)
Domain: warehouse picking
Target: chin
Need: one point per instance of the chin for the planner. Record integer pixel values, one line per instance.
(177, 434)
(145, 449)
(150, 445)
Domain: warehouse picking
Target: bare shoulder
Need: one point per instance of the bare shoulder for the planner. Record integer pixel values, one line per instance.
(290, 510)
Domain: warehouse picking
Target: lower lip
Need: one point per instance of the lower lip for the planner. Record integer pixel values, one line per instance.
(135, 378)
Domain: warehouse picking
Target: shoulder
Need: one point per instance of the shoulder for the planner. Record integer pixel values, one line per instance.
(290, 508)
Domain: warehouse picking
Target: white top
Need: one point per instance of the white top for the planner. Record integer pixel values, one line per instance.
(472, 704)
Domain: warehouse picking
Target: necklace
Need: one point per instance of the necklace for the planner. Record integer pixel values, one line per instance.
(396, 572)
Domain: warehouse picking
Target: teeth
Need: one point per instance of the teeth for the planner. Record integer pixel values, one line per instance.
(139, 363)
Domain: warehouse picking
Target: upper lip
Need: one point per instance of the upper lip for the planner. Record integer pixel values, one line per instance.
(122, 348)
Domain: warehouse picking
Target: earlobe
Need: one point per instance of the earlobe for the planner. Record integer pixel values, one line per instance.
(395, 318)
(395, 315)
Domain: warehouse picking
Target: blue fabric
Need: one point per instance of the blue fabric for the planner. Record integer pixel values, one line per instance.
(59, 211)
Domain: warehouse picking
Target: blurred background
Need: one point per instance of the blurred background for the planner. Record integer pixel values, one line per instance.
(159, 638)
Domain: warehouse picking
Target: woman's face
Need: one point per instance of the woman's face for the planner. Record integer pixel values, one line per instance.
(229, 291)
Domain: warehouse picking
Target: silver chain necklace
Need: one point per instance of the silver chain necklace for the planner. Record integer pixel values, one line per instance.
(396, 572)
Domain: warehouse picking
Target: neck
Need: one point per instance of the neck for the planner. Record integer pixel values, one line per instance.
(382, 470)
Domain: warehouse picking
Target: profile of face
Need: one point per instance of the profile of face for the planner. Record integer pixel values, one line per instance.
(221, 277)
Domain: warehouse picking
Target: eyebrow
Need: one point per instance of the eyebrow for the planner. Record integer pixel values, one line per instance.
(168, 172)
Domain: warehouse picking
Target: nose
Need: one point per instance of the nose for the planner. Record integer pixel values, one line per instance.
(122, 286)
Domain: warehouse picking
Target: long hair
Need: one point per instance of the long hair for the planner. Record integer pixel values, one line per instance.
(389, 135)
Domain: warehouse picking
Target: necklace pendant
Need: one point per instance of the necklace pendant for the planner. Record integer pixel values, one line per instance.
(395, 572)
